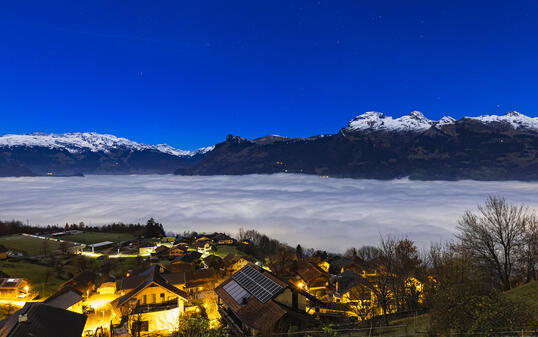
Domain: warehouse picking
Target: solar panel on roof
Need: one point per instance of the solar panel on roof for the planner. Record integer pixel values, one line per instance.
(258, 285)
(238, 293)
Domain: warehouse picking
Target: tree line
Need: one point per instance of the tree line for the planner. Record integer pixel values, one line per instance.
(150, 229)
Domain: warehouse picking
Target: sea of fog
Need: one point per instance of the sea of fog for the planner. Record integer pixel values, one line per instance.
(332, 214)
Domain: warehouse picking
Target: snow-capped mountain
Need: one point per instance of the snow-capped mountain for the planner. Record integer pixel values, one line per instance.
(512, 118)
(89, 153)
(373, 146)
(416, 122)
(373, 120)
(77, 142)
(376, 146)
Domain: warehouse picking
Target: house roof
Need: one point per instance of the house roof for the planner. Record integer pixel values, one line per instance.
(191, 277)
(215, 258)
(175, 278)
(347, 281)
(161, 249)
(151, 275)
(309, 272)
(137, 276)
(101, 244)
(43, 320)
(64, 298)
(190, 256)
(339, 262)
(220, 237)
(247, 307)
(252, 312)
(231, 259)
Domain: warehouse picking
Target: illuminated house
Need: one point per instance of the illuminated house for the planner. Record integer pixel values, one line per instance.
(233, 263)
(222, 239)
(67, 298)
(146, 248)
(15, 290)
(176, 251)
(107, 286)
(254, 301)
(188, 261)
(83, 282)
(351, 288)
(312, 279)
(203, 247)
(149, 303)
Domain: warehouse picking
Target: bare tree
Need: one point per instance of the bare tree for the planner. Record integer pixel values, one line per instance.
(368, 253)
(493, 235)
(382, 284)
(530, 251)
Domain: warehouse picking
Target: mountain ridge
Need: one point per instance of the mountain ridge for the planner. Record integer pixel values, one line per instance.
(373, 145)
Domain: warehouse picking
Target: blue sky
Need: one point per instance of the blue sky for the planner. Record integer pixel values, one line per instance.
(188, 73)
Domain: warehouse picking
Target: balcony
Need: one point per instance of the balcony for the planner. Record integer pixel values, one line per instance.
(152, 307)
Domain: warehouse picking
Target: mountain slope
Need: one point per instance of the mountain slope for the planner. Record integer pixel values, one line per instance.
(88, 153)
(380, 147)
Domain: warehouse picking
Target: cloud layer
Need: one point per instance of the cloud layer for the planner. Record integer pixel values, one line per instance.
(332, 214)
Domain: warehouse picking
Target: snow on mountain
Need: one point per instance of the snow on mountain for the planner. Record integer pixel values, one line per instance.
(513, 118)
(373, 120)
(446, 120)
(89, 141)
(416, 121)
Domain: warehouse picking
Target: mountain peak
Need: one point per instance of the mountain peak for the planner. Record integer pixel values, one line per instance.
(372, 120)
(514, 113)
(417, 115)
(513, 119)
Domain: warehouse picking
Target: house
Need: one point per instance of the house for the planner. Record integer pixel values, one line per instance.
(222, 239)
(325, 265)
(151, 305)
(232, 263)
(65, 298)
(107, 286)
(203, 247)
(213, 261)
(312, 279)
(253, 301)
(146, 248)
(176, 251)
(161, 251)
(193, 282)
(15, 289)
(43, 320)
(83, 282)
(3, 252)
(203, 239)
(188, 261)
(338, 263)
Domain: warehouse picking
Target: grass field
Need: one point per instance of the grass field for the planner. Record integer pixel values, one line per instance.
(527, 294)
(28, 245)
(36, 274)
(95, 237)
(222, 251)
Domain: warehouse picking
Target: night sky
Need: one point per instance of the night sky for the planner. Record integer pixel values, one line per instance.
(188, 73)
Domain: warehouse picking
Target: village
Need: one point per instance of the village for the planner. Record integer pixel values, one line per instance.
(147, 286)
